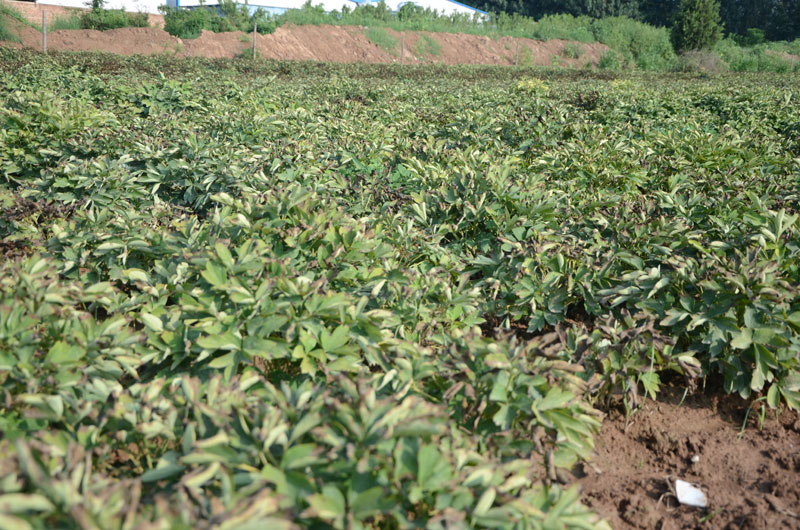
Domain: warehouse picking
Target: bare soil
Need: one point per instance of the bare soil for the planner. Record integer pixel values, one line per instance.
(318, 43)
(751, 482)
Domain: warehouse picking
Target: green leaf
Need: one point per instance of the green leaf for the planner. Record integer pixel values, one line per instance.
(215, 274)
(772, 396)
(63, 353)
(554, 399)
(485, 502)
(329, 504)
(673, 317)
(10, 522)
(228, 341)
(167, 467)
(300, 456)
(743, 339)
(651, 382)
(21, 502)
(152, 322)
(368, 503)
(224, 255)
(331, 342)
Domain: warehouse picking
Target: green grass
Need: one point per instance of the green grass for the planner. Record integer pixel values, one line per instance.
(9, 12)
(382, 38)
(6, 34)
(12, 12)
(70, 20)
(427, 46)
(572, 51)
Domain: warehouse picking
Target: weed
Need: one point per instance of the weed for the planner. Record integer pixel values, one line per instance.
(427, 46)
(382, 38)
(572, 50)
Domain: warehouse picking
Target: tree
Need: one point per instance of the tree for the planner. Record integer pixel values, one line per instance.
(658, 12)
(697, 25)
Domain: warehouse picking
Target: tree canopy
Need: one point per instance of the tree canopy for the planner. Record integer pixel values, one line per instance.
(778, 19)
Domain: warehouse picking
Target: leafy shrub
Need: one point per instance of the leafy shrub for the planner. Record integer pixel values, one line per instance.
(189, 23)
(104, 19)
(760, 58)
(647, 47)
(564, 27)
(185, 23)
(611, 60)
(697, 25)
(572, 51)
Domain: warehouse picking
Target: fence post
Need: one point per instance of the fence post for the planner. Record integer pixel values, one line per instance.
(255, 30)
(516, 56)
(44, 31)
(403, 50)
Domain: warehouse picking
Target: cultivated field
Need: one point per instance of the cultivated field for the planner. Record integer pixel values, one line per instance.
(240, 294)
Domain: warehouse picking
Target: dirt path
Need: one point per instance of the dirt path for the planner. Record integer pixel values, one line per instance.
(752, 482)
(321, 43)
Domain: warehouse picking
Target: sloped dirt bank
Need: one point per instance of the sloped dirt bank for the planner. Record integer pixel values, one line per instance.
(321, 43)
(752, 482)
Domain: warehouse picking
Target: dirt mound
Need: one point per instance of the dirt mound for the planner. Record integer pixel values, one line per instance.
(751, 482)
(322, 43)
(124, 41)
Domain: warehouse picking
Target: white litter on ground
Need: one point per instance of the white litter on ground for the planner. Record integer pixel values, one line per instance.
(689, 495)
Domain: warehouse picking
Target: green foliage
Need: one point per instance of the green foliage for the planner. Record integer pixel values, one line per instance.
(638, 44)
(611, 60)
(185, 23)
(71, 20)
(408, 18)
(564, 27)
(104, 19)
(6, 34)
(8, 14)
(229, 16)
(261, 294)
(11, 12)
(382, 38)
(701, 61)
(646, 47)
(427, 46)
(697, 25)
(572, 51)
(772, 57)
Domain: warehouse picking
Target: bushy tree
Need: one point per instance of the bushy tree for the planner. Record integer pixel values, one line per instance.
(697, 25)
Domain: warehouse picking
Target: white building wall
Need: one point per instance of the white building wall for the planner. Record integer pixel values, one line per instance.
(443, 7)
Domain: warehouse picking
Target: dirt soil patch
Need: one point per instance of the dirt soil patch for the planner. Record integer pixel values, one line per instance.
(321, 43)
(752, 482)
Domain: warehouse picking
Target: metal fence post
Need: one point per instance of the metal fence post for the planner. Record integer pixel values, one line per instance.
(44, 31)
(403, 50)
(255, 30)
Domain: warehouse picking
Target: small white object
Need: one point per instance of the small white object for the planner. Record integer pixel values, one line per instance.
(695, 459)
(689, 495)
